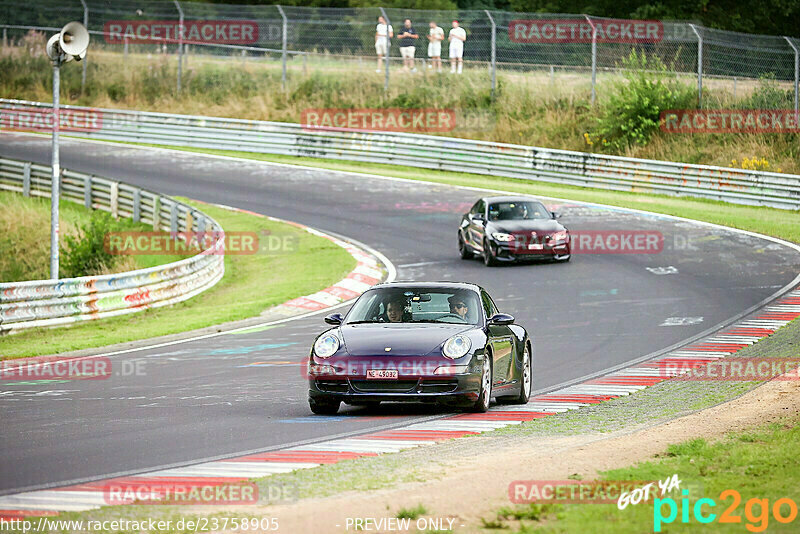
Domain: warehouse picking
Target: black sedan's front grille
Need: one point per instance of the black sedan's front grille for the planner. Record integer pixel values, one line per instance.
(384, 386)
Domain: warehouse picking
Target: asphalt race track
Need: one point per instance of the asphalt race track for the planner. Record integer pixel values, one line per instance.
(231, 394)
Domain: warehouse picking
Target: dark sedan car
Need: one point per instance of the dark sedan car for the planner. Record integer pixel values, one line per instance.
(512, 228)
(421, 342)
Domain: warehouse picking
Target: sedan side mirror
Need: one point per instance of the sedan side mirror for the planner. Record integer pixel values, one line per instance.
(554, 215)
(501, 319)
(334, 318)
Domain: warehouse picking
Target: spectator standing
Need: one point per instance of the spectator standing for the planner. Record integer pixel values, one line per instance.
(457, 37)
(435, 38)
(408, 37)
(381, 42)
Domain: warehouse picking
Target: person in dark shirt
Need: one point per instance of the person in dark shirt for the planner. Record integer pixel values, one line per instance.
(408, 37)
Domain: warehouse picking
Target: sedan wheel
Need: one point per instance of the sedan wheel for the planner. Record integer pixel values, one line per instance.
(488, 257)
(463, 249)
(485, 393)
(320, 407)
(527, 377)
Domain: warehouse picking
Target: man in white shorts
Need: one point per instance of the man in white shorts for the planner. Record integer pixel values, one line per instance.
(457, 37)
(435, 38)
(381, 42)
(408, 36)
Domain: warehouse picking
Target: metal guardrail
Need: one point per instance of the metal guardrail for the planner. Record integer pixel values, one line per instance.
(739, 186)
(55, 302)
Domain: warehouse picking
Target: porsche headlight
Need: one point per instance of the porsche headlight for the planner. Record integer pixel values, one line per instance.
(326, 345)
(499, 236)
(456, 347)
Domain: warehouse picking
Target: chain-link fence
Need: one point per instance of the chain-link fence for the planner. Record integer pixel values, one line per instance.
(300, 40)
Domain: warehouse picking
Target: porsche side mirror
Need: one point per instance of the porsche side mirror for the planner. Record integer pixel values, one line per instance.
(501, 319)
(334, 318)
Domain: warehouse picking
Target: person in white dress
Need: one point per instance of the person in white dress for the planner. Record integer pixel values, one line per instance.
(435, 38)
(457, 37)
(381, 43)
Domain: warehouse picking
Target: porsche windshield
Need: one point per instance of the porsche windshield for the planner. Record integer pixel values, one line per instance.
(412, 305)
(511, 211)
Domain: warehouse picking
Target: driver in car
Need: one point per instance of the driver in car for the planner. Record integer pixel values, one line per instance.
(394, 310)
(458, 306)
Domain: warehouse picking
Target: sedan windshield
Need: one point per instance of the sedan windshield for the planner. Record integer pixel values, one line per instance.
(416, 305)
(510, 211)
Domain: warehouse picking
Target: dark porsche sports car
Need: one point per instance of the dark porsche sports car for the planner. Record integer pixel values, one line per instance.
(421, 342)
(512, 228)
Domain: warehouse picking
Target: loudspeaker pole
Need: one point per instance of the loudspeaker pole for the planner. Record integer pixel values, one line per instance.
(55, 182)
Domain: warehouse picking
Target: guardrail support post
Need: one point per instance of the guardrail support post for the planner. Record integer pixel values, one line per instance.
(87, 192)
(699, 66)
(180, 43)
(157, 213)
(26, 179)
(494, 52)
(85, 60)
(594, 58)
(137, 205)
(113, 200)
(173, 218)
(201, 225)
(284, 40)
(388, 43)
(796, 76)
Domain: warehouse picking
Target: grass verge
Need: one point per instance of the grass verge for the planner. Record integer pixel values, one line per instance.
(25, 238)
(758, 464)
(252, 283)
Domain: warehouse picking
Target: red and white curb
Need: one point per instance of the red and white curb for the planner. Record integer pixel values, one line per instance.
(237, 470)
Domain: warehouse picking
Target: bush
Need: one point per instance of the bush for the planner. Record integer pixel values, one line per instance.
(768, 96)
(84, 254)
(631, 113)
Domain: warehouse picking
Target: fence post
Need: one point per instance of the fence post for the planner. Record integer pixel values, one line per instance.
(173, 218)
(137, 205)
(85, 60)
(283, 46)
(594, 58)
(699, 66)
(87, 192)
(5, 37)
(113, 199)
(796, 75)
(26, 179)
(494, 52)
(388, 44)
(180, 43)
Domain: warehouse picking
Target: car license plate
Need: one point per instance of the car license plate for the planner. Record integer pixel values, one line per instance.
(535, 246)
(382, 374)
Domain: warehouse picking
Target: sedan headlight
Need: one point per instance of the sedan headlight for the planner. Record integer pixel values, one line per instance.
(559, 236)
(326, 345)
(456, 347)
(499, 236)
